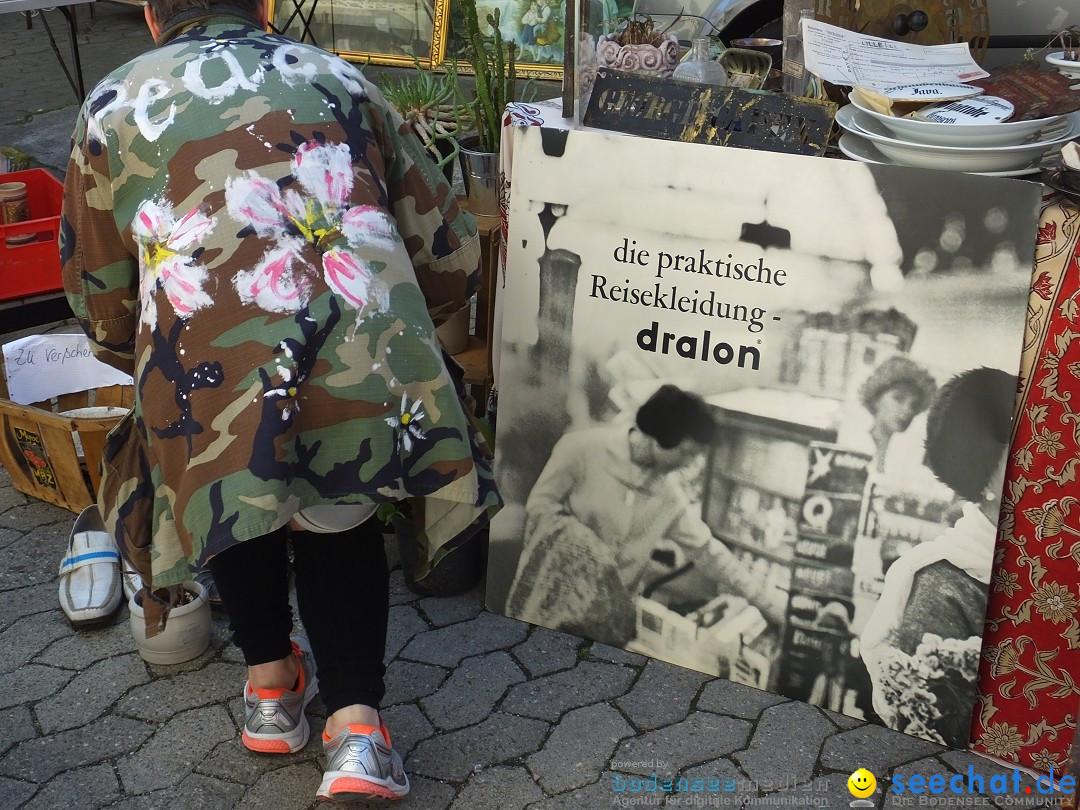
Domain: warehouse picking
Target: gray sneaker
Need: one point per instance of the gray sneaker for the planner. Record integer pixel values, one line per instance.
(362, 766)
(274, 720)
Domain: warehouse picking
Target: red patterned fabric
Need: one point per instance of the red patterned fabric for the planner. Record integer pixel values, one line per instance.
(1029, 696)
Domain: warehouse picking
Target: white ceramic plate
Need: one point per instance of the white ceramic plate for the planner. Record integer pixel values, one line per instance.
(953, 158)
(864, 151)
(1068, 67)
(930, 92)
(980, 111)
(1004, 133)
(855, 120)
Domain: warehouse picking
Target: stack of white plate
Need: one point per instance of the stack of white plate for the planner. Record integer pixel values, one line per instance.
(1002, 149)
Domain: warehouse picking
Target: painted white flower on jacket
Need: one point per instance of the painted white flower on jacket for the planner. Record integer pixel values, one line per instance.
(406, 424)
(166, 260)
(309, 218)
(290, 383)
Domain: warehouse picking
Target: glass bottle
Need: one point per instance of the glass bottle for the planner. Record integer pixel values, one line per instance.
(699, 66)
(795, 75)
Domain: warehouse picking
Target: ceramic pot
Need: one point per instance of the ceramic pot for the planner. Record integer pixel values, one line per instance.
(457, 572)
(658, 58)
(454, 333)
(480, 175)
(186, 634)
(14, 209)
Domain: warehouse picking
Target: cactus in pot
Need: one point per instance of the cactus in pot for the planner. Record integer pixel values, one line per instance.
(492, 60)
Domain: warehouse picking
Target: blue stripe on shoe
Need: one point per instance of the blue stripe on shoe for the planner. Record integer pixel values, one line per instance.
(94, 555)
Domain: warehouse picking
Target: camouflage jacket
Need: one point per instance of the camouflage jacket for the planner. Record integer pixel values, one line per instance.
(251, 231)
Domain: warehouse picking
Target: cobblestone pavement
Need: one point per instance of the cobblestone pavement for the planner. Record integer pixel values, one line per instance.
(488, 712)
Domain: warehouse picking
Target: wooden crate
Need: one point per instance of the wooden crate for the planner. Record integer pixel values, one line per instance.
(57, 458)
(694, 640)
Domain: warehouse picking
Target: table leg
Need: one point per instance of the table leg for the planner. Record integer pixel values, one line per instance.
(69, 12)
(75, 81)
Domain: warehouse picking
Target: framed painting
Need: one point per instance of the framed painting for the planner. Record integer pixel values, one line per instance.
(537, 27)
(384, 32)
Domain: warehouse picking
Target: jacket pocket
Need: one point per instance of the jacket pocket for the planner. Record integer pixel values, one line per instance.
(126, 494)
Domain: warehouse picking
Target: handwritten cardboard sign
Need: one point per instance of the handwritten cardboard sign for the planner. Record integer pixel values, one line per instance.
(697, 113)
(41, 367)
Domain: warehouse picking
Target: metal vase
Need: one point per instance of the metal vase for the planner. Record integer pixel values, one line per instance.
(480, 174)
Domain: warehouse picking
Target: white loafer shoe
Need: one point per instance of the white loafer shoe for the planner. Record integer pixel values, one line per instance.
(90, 589)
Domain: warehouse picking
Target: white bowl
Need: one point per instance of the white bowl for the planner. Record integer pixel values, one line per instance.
(186, 634)
(953, 158)
(1066, 66)
(864, 151)
(1002, 133)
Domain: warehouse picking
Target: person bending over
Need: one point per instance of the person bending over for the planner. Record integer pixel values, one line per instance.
(251, 231)
(606, 506)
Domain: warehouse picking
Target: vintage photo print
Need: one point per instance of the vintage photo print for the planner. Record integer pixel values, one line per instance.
(754, 412)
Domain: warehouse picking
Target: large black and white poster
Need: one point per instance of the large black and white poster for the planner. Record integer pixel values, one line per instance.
(754, 412)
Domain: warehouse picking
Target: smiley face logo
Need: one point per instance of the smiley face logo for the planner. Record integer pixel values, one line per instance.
(861, 783)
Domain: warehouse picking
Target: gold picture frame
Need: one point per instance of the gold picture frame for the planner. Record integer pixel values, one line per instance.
(382, 32)
(541, 59)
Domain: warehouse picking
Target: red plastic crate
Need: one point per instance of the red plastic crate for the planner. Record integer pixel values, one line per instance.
(34, 267)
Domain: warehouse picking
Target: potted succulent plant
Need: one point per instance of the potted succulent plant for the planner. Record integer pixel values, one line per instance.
(639, 48)
(493, 63)
(432, 106)
(636, 46)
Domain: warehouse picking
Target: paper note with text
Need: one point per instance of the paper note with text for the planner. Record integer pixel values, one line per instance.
(849, 58)
(40, 367)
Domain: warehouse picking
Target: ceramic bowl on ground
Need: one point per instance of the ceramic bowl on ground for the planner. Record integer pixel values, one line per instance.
(333, 518)
(1002, 133)
(187, 629)
(1066, 66)
(952, 158)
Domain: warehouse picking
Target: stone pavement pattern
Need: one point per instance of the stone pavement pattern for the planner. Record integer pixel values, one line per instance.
(488, 712)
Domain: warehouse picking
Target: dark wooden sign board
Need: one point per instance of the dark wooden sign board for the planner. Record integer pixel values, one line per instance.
(695, 113)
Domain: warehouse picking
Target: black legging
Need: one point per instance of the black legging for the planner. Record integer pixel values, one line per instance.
(342, 590)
